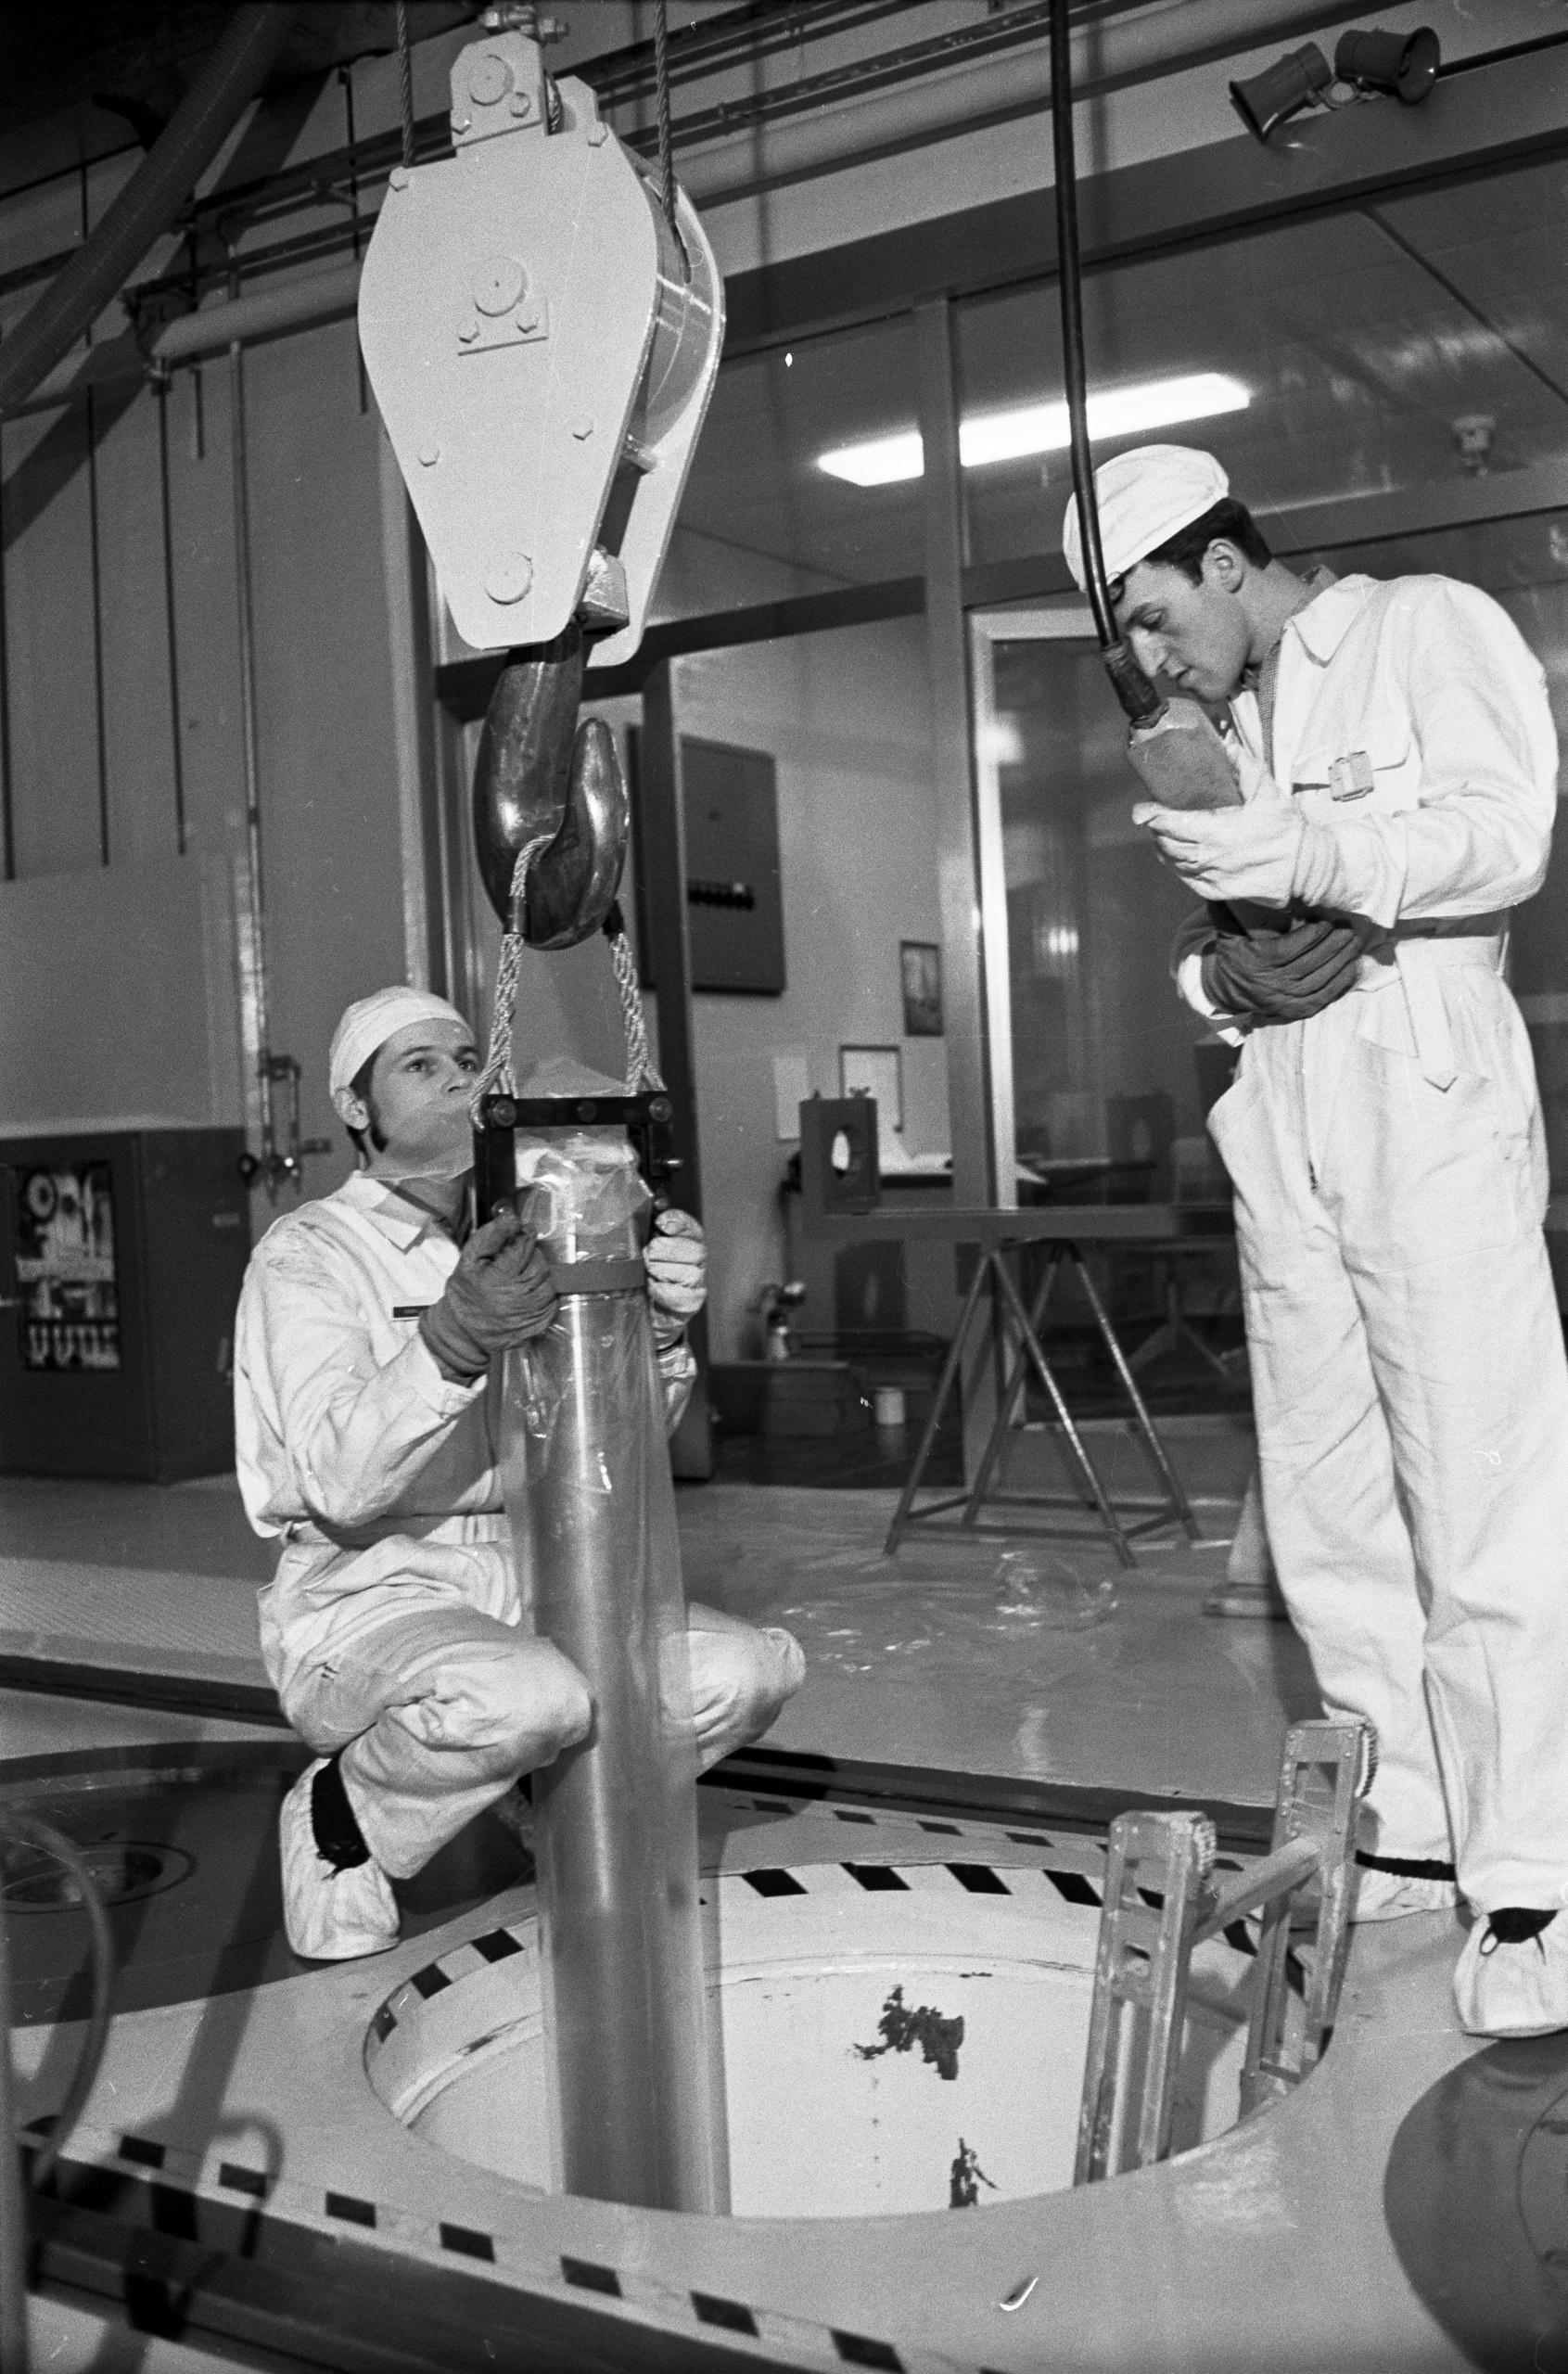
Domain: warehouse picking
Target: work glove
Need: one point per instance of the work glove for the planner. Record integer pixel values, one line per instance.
(676, 1259)
(1281, 976)
(726, 1682)
(1246, 852)
(501, 1294)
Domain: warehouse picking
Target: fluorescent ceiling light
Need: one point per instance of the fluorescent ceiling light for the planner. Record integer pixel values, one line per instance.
(1041, 428)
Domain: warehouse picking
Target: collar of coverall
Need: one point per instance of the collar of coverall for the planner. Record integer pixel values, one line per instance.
(396, 1218)
(1315, 582)
(1327, 619)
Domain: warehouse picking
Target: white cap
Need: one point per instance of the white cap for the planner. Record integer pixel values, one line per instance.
(370, 1022)
(1144, 498)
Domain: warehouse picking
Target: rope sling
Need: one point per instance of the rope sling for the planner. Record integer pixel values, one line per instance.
(498, 1076)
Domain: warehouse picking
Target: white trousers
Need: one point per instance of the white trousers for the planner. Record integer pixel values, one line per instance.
(439, 1708)
(1411, 1398)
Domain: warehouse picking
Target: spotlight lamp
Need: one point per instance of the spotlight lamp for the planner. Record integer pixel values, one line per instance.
(1297, 81)
(1400, 66)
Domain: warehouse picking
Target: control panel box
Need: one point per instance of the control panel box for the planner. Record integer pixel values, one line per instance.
(121, 1255)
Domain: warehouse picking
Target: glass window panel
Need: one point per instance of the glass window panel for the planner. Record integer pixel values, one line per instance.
(845, 719)
(1103, 1050)
(760, 519)
(1361, 339)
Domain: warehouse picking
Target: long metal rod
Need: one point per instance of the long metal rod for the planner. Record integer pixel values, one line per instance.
(171, 615)
(95, 583)
(7, 822)
(255, 1020)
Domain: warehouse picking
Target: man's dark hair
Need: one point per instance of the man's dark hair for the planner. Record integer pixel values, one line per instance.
(359, 1087)
(1185, 550)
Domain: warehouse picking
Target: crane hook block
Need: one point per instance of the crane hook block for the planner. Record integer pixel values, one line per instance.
(541, 774)
(543, 348)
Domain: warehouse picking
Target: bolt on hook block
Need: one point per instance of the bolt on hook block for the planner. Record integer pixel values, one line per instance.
(1161, 1901)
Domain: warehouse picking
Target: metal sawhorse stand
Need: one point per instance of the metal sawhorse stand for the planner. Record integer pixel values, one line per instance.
(840, 1192)
(1171, 1507)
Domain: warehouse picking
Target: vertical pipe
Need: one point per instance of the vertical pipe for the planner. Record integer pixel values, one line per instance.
(7, 825)
(253, 956)
(667, 960)
(95, 572)
(592, 1507)
(13, 2209)
(963, 933)
(160, 391)
(942, 501)
(100, 736)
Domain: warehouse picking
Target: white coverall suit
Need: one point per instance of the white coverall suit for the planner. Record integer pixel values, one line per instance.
(391, 1629)
(1389, 1164)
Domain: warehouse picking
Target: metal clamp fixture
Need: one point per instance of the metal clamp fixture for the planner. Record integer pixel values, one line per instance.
(648, 1120)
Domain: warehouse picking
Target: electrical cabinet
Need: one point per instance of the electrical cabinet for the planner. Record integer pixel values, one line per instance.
(121, 1254)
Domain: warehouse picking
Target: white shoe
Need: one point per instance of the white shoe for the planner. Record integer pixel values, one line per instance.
(330, 1916)
(1514, 1990)
(1390, 1896)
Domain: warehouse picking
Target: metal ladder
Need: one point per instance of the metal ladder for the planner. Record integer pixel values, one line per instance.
(1162, 1900)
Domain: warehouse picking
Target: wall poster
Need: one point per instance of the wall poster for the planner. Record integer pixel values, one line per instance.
(65, 1268)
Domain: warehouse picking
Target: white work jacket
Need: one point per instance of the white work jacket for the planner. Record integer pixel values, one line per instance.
(1411, 721)
(350, 1444)
(343, 1423)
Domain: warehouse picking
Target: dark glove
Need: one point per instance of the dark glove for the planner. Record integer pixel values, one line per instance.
(500, 1294)
(1281, 976)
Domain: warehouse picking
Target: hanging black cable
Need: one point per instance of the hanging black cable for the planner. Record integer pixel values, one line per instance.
(1136, 693)
(1172, 744)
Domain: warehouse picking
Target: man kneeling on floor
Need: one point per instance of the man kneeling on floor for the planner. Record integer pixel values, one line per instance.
(392, 1629)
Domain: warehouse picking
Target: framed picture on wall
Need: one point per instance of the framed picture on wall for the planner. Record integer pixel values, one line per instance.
(920, 963)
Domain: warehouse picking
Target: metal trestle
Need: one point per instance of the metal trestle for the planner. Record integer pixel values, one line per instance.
(1148, 1514)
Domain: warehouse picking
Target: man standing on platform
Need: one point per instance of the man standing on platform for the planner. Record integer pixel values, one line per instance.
(1398, 765)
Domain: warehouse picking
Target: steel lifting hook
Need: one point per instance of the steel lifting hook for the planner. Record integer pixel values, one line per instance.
(540, 771)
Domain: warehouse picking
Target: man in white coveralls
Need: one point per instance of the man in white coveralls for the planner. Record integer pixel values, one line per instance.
(1398, 765)
(364, 1441)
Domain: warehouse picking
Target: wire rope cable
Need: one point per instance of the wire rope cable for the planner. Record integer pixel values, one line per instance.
(405, 83)
(661, 88)
(498, 1077)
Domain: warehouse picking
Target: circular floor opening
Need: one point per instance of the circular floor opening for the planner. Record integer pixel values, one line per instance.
(34, 1879)
(919, 2048)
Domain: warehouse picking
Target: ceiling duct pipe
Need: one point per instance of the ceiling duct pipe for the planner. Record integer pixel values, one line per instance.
(228, 81)
(763, 151)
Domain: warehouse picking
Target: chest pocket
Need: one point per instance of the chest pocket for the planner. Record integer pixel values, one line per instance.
(1375, 770)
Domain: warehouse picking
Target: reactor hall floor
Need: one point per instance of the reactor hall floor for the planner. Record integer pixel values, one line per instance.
(284, 2165)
